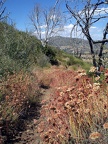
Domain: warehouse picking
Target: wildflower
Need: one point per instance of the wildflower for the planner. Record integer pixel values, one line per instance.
(92, 69)
(79, 101)
(61, 93)
(88, 86)
(67, 105)
(70, 89)
(90, 95)
(95, 135)
(71, 96)
(82, 74)
(105, 126)
(87, 110)
(60, 135)
(97, 78)
(81, 71)
(49, 119)
(96, 86)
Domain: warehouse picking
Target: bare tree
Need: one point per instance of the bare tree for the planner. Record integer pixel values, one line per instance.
(87, 17)
(46, 22)
(2, 9)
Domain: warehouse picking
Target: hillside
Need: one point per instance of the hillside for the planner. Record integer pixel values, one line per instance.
(71, 45)
(19, 50)
(78, 47)
(48, 95)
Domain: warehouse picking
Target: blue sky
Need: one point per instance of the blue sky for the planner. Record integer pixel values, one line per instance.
(20, 9)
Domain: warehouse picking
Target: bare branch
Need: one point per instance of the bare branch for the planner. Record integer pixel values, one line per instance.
(97, 19)
(46, 22)
(100, 41)
(85, 18)
(2, 10)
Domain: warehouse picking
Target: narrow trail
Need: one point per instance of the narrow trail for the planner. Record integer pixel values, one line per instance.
(60, 77)
(63, 93)
(30, 135)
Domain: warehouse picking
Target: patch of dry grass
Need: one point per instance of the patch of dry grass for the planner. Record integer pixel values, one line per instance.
(18, 92)
(77, 111)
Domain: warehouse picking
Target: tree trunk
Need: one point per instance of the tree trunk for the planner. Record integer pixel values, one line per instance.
(100, 63)
(92, 51)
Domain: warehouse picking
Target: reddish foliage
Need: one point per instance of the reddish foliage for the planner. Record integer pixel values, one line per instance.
(17, 91)
(73, 103)
(72, 92)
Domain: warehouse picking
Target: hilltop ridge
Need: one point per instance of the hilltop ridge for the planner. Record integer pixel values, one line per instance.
(71, 45)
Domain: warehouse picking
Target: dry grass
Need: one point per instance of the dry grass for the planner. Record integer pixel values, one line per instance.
(18, 92)
(77, 112)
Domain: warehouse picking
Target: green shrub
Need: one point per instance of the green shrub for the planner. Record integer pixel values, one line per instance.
(18, 50)
(51, 53)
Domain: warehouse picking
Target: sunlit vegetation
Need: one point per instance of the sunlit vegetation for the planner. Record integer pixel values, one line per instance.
(20, 50)
(76, 111)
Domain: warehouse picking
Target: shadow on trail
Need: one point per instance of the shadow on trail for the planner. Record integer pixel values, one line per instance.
(13, 133)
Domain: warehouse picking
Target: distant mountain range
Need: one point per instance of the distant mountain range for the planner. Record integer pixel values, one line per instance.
(71, 45)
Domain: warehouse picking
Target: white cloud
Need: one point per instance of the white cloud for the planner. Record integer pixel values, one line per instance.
(93, 27)
(70, 26)
(43, 26)
(101, 11)
(66, 30)
(98, 12)
(95, 31)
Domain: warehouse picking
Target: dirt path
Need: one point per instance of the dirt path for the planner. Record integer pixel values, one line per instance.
(30, 135)
(60, 77)
(62, 91)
